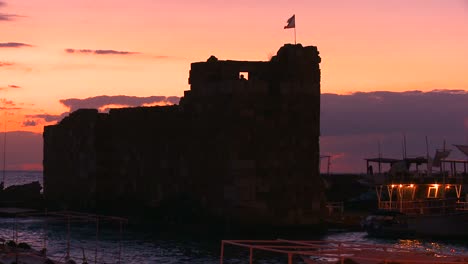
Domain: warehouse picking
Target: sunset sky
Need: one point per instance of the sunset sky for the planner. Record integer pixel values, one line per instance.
(53, 50)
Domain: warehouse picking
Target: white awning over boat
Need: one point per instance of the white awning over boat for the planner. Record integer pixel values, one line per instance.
(439, 156)
(463, 148)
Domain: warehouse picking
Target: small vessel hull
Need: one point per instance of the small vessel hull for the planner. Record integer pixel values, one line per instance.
(442, 225)
(453, 225)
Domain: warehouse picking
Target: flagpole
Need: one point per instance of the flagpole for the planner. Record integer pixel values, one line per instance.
(294, 34)
(295, 43)
(292, 24)
(4, 148)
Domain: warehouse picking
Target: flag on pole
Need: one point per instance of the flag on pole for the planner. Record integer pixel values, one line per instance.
(291, 22)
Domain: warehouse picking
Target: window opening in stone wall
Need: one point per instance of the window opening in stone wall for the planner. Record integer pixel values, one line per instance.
(243, 75)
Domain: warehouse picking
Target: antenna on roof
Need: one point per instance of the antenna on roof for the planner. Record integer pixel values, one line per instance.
(403, 146)
(429, 163)
(379, 149)
(4, 148)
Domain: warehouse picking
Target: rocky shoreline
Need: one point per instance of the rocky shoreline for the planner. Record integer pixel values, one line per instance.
(22, 196)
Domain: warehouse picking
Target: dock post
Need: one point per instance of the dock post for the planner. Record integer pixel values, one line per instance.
(340, 253)
(97, 239)
(120, 243)
(68, 237)
(15, 237)
(222, 253)
(290, 258)
(45, 233)
(251, 256)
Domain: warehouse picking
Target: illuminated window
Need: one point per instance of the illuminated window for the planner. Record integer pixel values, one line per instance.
(432, 192)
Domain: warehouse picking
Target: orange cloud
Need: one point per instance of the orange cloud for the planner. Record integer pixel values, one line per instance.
(102, 101)
(6, 64)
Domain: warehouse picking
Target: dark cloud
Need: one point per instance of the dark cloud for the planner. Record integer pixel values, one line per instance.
(100, 52)
(105, 103)
(122, 100)
(14, 45)
(352, 125)
(392, 112)
(8, 17)
(114, 52)
(48, 118)
(29, 123)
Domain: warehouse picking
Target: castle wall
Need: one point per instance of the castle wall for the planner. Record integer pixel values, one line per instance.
(70, 159)
(245, 149)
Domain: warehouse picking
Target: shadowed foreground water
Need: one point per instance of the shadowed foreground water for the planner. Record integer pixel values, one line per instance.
(144, 245)
(140, 246)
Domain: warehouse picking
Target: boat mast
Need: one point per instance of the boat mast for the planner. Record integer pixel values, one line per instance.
(4, 147)
(443, 175)
(428, 164)
(404, 144)
(380, 157)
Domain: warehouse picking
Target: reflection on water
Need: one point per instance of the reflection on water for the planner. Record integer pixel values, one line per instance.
(445, 246)
(135, 246)
(131, 246)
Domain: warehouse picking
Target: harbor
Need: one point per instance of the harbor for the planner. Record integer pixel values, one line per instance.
(152, 246)
(129, 146)
(340, 252)
(146, 244)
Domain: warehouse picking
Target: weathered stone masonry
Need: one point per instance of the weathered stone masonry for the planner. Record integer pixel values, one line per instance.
(247, 149)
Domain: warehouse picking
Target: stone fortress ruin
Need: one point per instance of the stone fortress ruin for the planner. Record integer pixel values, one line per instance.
(243, 144)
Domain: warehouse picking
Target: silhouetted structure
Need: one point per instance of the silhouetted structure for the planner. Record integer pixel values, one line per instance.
(243, 148)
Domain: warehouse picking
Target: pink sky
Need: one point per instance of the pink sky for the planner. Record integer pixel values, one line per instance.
(366, 45)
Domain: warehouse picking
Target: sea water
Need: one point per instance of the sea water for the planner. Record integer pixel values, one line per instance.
(107, 244)
(20, 177)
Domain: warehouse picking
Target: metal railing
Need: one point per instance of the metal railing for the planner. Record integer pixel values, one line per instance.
(462, 206)
(340, 252)
(432, 206)
(88, 254)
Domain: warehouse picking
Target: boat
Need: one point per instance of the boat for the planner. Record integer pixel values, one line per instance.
(420, 196)
(386, 223)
